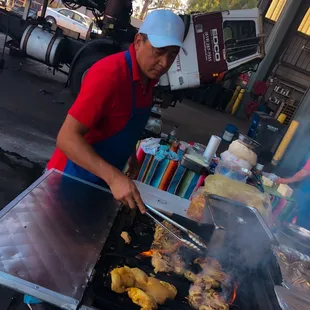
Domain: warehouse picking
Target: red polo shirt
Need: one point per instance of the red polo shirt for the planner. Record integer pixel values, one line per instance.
(104, 104)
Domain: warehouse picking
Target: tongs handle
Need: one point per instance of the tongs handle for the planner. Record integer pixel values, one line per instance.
(168, 219)
(191, 235)
(184, 241)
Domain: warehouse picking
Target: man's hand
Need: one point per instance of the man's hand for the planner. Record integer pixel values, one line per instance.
(133, 167)
(125, 190)
(280, 181)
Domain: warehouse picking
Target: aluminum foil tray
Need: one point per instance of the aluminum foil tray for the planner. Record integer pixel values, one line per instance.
(291, 299)
(51, 237)
(295, 268)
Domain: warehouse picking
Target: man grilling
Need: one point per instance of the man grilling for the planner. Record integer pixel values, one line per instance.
(105, 122)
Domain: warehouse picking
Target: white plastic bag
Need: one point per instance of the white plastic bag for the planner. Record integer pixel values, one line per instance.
(228, 156)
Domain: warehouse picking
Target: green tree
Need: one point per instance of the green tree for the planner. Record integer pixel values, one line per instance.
(159, 4)
(219, 5)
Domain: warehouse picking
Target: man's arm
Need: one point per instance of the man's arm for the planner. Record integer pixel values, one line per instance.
(299, 176)
(91, 105)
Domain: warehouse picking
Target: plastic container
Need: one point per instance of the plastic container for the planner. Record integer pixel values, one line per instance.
(154, 125)
(248, 142)
(194, 163)
(232, 171)
(229, 132)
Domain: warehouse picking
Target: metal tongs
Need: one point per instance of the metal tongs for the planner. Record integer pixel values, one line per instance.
(197, 243)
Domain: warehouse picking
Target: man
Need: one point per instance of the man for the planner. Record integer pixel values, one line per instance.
(302, 179)
(103, 126)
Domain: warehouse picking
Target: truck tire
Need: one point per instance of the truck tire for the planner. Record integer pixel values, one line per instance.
(51, 20)
(79, 71)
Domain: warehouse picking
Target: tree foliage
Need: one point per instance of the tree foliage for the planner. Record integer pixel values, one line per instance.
(219, 5)
(147, 5)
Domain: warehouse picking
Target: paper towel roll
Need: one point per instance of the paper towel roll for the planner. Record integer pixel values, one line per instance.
(211, 148)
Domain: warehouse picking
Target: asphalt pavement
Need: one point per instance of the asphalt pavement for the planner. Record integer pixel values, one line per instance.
(33, 104)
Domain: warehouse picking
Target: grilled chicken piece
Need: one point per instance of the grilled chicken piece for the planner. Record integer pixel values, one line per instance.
(202, 296)
(141, 277)
(160, 290)
(211, 268)
(167, 263)
(126, 237)
(165, 257)
(189, 275)
(205, 299)
(125, 277)
(161, 262)
(122, 278)
(162, 239)
(141, 299)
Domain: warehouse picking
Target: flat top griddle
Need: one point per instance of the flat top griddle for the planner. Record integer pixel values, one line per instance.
(51, 237)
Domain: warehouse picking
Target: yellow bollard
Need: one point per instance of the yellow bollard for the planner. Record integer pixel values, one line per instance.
(233, 99)
(285, 142)
(282, 117)
(237, 102)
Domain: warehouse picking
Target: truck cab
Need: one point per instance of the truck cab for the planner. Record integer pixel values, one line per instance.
(217, 45)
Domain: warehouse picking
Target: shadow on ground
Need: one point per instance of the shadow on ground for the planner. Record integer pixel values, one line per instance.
(16, 174)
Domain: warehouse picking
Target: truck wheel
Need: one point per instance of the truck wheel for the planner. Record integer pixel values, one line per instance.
(51, 20)
(79, 71)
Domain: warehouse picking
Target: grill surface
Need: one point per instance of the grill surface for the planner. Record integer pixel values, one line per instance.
(51, 237)
(255, 287)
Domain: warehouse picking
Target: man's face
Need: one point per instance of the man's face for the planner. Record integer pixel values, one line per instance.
(154, 62)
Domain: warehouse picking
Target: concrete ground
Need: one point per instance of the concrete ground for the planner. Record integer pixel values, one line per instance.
(33, 105)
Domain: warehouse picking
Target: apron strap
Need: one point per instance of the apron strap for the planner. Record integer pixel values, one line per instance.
(133, 85)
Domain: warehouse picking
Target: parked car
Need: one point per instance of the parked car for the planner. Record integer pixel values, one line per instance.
(19, 10)
(71, 20)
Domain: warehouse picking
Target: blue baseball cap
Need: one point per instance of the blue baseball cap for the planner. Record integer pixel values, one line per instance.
(164, 28)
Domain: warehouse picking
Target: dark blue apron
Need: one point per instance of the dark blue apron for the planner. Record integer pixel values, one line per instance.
(117, 149)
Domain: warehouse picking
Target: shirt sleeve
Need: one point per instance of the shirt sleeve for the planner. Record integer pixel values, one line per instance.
(95, 98)
(307, 165)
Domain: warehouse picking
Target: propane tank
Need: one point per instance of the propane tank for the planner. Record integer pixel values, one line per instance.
(42, 45)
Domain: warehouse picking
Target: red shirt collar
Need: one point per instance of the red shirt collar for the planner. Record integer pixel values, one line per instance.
(135, 67)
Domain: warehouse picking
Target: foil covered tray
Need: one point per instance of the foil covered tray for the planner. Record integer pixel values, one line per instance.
(295, 268)
(51, 237)
(291, 299)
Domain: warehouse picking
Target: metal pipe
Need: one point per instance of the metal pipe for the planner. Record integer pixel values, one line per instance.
(44, 8)
(26, 10)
